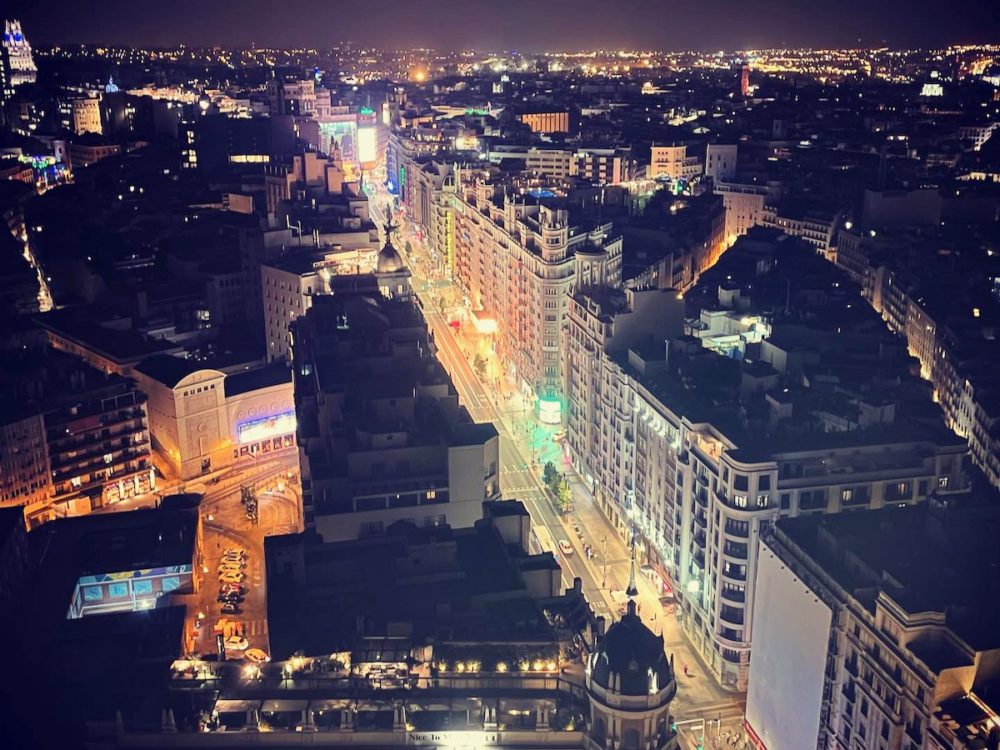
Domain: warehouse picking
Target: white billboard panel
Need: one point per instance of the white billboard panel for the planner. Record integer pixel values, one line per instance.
(791, 633)
(367, 144)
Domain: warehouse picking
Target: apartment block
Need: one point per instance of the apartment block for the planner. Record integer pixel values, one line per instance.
(517, 258)
(878, 630)
(674, 162)
(382, 437)
(697, 443)
(72, 439)
(289, 284)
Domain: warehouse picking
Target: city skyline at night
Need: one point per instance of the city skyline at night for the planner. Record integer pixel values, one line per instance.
(554, 25)
(470, 376)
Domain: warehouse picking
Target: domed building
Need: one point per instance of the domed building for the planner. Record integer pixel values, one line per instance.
(389, 260)
(630, 684)
(390, 270)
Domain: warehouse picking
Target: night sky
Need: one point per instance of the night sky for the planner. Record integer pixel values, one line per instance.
(519, 25)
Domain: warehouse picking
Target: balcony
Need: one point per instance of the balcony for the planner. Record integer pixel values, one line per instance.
(731, 616)
(733, 595)
(734, 574)
(738, 529)
(735, 550)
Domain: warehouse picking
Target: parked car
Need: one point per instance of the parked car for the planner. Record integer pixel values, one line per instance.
(231, 609)
(565, 547)
(234, 551)
(231, 578)
(229, 598)
(235, 588)
(256, 655)
(236, 643)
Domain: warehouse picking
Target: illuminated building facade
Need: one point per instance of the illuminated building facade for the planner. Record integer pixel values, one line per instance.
(599, 401)
(18, 62)
(745, 204)
(517, 260)
(655, 436)
(556, 121)
(673, 162)
(87, 115)
(203, 420)
(86, 448)
(289, 285)
(818, 228)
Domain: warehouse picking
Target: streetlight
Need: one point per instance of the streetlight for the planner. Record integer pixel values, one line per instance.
(604, 579)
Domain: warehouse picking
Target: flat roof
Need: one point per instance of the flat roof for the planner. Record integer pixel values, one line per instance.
(939, 556)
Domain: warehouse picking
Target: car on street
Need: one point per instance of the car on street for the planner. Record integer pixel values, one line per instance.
(231, 578)
(256, 655)
(232, 559)
(231, 609)
(225, 597)
(565, 547)
(236, 643)
(232, 588)
(234, 551)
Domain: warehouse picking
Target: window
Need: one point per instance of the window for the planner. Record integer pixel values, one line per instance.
(117, 590)
(786, 500)
(142, 586)
(92, 594)
(741, 482)
(169, 583)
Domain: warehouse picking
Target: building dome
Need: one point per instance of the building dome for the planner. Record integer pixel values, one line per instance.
(389, 260)
(630, 660)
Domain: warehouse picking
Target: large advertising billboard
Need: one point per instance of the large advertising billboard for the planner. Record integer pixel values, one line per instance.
(367, 144)
(253, 431)
(791, 633)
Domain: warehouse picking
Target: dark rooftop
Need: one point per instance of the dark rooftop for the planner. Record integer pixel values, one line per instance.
(939, 556)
